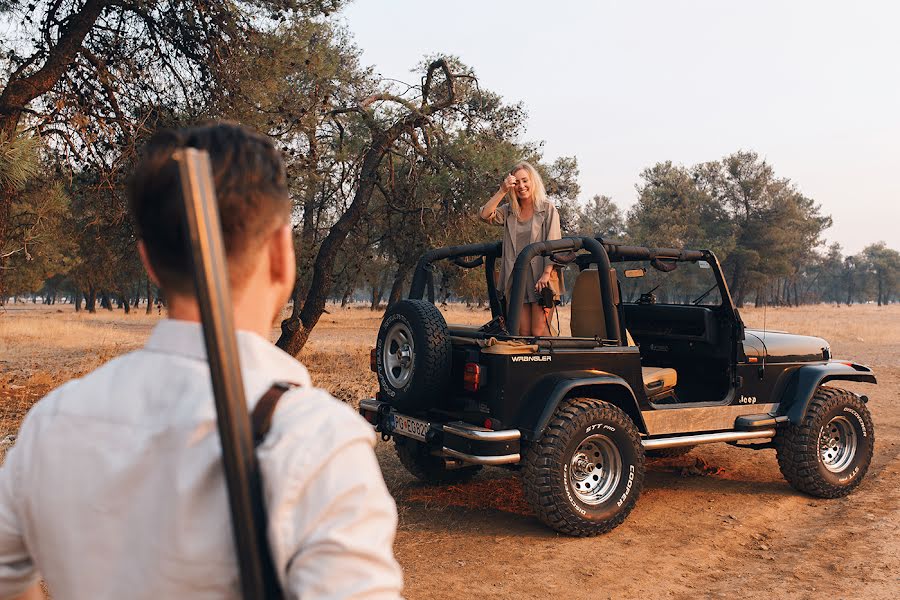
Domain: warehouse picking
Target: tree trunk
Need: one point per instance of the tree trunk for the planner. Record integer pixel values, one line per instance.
(105, 301)
(78, 295)
(849, 289)
(91, 300)
(149, 297)
(396, 294)
(123, 302)
(295, 329)
(377, 293)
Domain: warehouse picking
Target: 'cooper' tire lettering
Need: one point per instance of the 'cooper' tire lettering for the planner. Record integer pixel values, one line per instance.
(859, 418)
(627, 486)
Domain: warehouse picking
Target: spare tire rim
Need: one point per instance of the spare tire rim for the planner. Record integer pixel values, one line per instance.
(398, 355)
(837, 444)
(596, 468)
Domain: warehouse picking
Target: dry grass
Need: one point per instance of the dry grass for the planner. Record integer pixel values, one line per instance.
(471, 538)
(42, 347)
(858, 323)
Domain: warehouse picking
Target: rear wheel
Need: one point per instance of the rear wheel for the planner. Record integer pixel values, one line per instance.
(586, 472)
(427, 467)
(828, 453)
(413, 354)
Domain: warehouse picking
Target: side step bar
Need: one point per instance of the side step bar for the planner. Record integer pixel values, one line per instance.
(706, 438)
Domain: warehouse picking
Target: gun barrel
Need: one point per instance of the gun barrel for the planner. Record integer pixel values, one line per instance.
(210, 271)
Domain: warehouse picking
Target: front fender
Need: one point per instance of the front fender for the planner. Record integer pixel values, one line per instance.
(805, 380)
(544, 398)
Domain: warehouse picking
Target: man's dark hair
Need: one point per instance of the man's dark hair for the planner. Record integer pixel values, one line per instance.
(251, 189)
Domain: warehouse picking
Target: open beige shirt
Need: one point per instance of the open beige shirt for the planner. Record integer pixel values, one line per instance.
(544, 226)
(115, 487)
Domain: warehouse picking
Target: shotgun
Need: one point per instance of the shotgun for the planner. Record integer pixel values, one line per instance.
(242, 474)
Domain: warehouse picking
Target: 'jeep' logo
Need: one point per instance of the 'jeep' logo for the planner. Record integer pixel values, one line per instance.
(532, 358)
(747, 400)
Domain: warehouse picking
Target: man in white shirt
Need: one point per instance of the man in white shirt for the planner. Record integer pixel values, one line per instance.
(115, 487)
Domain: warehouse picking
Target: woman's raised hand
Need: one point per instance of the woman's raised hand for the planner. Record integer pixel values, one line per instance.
(508, 183)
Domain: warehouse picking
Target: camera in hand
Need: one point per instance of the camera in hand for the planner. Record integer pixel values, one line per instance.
(547, 299)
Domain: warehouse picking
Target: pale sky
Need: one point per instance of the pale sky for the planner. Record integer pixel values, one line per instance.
(814, 87)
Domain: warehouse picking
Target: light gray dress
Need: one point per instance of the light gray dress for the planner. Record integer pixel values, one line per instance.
(544, 226)
(523, 238)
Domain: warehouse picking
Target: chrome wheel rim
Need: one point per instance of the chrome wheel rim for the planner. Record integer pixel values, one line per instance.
(596, 468)
(397, 355)
(837, 444)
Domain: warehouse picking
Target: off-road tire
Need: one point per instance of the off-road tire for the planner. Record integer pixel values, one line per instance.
(551, 468)
(669, 452)
(804, 450)
(421, 327)
(428, 468)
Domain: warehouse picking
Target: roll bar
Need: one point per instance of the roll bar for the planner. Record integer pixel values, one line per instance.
(488, 252)
(619, 252)
(608, 291)
(600, 252)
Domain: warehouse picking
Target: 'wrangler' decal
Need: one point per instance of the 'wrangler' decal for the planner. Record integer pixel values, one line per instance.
(533, 358)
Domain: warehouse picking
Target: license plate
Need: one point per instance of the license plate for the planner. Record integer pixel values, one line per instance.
(414, 428)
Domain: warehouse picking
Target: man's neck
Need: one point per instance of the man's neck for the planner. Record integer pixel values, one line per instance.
(186, 308)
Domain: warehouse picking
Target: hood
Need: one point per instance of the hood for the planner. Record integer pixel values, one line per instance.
(783, 347)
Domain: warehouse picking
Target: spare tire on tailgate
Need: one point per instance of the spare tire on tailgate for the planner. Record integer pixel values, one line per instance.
(412, 354)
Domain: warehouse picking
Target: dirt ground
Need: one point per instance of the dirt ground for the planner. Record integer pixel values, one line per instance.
(718, 523)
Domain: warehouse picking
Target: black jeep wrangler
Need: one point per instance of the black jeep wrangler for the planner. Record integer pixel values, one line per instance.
(658, 361)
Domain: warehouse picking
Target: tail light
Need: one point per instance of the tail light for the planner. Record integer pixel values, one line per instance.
(472, 377)
(373, 360)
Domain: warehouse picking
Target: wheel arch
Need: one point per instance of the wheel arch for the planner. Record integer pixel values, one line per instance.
(590, 384)
(803, 384)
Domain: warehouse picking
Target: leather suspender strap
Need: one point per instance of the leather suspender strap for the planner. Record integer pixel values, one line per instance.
(261, 422)
(261, 417)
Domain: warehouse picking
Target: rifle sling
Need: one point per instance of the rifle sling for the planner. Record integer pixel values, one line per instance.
(261, 422)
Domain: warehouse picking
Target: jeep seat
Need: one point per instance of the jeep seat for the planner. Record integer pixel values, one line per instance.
(658, 381)
(587, 316)
(587, 306)
(588, 321)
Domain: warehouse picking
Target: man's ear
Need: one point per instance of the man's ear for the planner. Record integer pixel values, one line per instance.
(282, 262)
(142, 250)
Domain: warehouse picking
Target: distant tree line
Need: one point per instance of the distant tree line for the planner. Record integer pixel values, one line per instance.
(379, 170)
(766, 234)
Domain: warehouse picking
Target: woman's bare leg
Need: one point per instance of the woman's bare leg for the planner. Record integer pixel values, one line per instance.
(525, 321)
(538, 320)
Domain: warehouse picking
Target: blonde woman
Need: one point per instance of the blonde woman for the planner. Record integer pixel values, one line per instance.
(528, 217)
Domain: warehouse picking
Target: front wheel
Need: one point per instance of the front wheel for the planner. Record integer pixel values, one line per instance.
(586, 472)
(828, 453)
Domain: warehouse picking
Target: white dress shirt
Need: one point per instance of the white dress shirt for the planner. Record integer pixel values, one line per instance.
(115, 487)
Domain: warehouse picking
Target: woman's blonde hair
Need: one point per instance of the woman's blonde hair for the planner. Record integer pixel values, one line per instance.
(538, 192)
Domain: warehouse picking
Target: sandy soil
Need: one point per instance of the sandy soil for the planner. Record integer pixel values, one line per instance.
(718, 523)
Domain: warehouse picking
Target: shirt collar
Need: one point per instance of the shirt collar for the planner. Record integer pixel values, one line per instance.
(185, 338)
